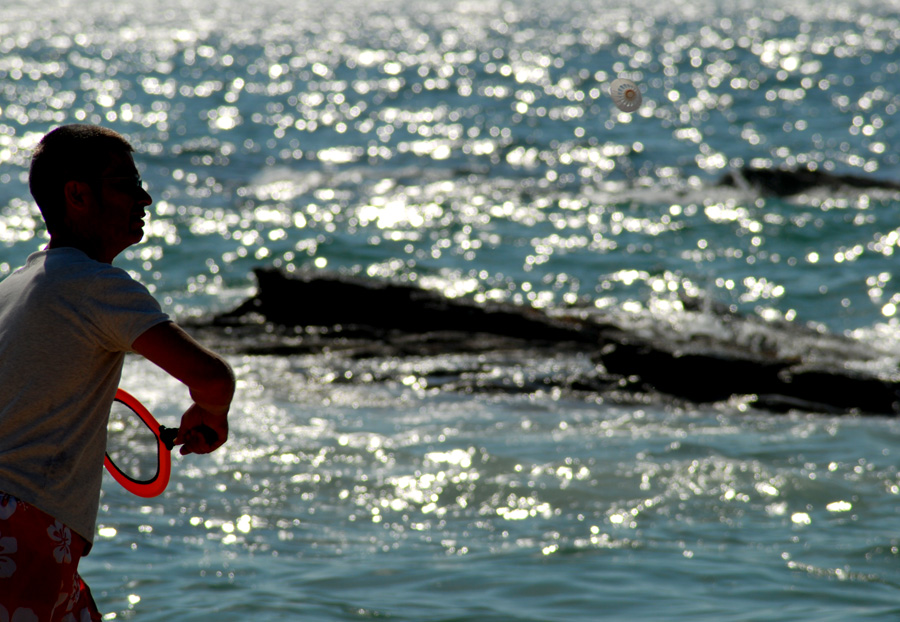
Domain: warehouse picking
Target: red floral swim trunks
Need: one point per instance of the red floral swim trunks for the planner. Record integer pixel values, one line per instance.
(39, 557)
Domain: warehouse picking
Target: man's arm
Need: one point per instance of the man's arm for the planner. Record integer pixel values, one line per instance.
(207, 376)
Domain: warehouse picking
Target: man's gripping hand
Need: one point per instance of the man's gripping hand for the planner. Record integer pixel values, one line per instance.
(201, 431)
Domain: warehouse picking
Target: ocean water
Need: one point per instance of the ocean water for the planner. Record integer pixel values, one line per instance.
(471, 148)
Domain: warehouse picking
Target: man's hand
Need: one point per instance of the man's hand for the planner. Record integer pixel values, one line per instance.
(201, 431)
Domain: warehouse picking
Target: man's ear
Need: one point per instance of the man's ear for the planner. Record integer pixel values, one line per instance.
(78, 194)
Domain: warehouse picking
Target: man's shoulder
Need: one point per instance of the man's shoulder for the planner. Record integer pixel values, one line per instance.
(68, 273)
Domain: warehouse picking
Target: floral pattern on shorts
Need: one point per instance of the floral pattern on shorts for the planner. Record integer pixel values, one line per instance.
(39, 557)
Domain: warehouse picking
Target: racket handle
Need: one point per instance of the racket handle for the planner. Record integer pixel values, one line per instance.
(167, 435)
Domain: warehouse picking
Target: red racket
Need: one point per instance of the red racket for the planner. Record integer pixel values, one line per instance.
(139, 449)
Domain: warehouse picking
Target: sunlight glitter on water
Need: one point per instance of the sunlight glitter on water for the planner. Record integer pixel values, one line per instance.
(321, 98)
(421, 475)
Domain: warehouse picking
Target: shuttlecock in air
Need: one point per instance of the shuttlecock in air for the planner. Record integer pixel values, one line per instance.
(625, 95)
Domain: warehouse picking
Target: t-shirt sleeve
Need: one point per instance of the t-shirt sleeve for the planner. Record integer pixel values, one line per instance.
(121, 309)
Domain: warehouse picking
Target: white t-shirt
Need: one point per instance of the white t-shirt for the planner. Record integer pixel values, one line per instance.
(66, 322)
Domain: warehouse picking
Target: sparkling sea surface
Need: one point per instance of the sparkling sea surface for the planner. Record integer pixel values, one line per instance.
(471, 148)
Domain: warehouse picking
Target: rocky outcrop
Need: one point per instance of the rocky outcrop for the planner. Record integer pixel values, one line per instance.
(362, 319)
(790, 182)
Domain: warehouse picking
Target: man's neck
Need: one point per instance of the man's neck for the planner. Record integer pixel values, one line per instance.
(89, 248)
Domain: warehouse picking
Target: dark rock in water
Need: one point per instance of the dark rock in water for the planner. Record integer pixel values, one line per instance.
(789, 182)
(776, 385)
(360, 319)
(379, 308)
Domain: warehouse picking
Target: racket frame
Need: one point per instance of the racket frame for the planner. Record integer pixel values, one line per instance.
(164, 440)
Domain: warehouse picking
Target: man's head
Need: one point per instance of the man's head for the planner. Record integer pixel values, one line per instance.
(85, 183)
(70, 153)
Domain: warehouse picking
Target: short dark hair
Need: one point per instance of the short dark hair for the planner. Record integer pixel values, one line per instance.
(78, 152)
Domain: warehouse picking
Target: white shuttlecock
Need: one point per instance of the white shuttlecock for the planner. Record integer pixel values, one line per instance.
(625, 95)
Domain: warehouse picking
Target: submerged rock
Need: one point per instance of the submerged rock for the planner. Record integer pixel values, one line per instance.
(790, 182)
(359, 319)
